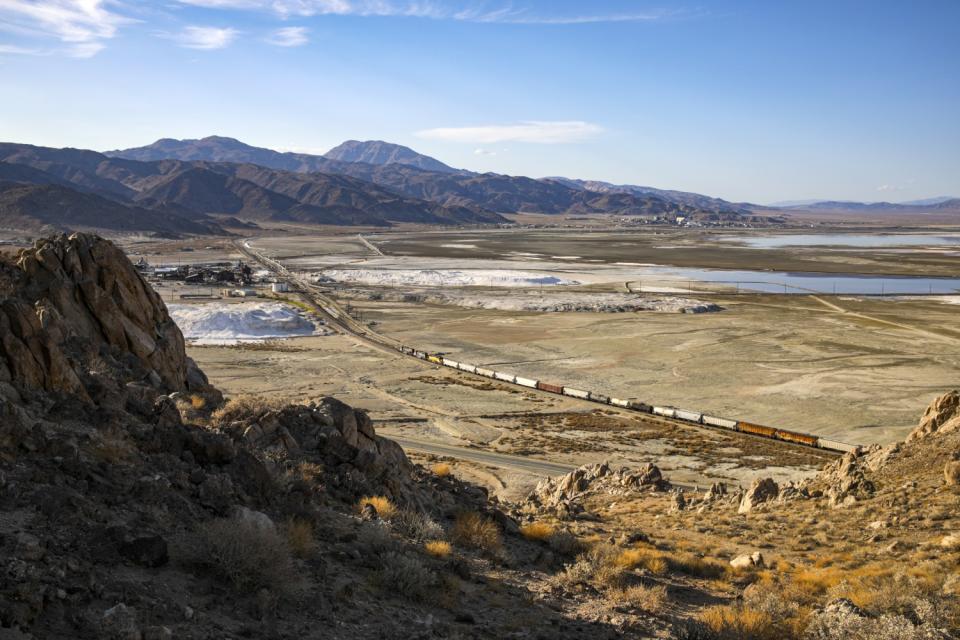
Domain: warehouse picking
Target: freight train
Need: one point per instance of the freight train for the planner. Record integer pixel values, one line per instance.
(683, 415)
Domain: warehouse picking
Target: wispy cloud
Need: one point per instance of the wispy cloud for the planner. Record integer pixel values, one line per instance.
(538, 132)
(480, 151)
(83, 25)
(12, 49)
(289, 37)
(465, 12)
(207, 38)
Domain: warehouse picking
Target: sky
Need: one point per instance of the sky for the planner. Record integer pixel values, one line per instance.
(749, 101)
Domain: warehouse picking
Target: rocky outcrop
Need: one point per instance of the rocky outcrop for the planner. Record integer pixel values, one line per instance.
(760, 491)
(332, 433)
(78, 315)
(846, 479)
(111, 471)
(560, 494)
(942, 416)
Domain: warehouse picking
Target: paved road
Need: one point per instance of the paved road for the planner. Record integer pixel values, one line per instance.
(522, 464)
(499, 460)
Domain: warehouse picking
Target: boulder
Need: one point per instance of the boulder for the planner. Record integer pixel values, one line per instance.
(748, 560)
(951, 473)
(255, 519)
(951, 541)
(760, 491)
(942, 416)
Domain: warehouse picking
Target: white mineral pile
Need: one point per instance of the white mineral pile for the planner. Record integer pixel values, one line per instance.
(552, 302)
(224, 323)
(445, 277)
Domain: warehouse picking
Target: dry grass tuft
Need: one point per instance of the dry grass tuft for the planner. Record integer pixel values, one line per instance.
(649, 599)
(300, 537)
(198, 402)
(474, 530)
(244, 407)
(438, 548)
(738, 622)
(650, 559)
(385, 509)
(539, 531)
(441, 469)
(309, 472)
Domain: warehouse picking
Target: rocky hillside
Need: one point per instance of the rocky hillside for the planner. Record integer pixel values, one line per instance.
(47, 206)
(136, 503)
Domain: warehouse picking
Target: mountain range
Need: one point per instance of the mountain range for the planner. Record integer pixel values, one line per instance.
(213, 184)
(415, 175)
(176, 196)
(925, 204)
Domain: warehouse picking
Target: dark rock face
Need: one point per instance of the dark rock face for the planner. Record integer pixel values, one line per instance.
(79, 305)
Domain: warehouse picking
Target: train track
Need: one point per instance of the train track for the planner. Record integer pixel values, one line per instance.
(341, 321)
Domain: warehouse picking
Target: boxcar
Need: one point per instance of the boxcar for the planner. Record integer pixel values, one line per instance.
(620, 403)
(723, 423)
(599, 397)
(576, 393)
(799, 438)
(406, 349)
(689, 416)
(526, 382)
(835, 445)
(447, 362)
(420, 354)
(547, 386)
(506, 377)
(640, 406)
(467, 367)
(667, 412)
(435, 359)
(756, 429)
(484, 372)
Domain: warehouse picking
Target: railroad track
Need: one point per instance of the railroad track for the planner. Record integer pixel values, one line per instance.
(342, 322)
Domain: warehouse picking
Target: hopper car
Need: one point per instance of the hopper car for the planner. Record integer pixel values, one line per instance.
(684, 415)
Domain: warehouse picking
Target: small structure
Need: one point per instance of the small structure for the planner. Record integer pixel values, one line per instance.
(280, 287)
(239, 293)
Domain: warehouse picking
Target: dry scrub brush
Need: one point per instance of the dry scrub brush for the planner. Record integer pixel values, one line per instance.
(441, 469)
(413, 524)
(474, 530)
(651, 599)
(405, 575)
(300, 537)
(244, 407)
(248, 555)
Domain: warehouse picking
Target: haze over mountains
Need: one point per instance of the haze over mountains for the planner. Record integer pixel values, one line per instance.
(926, 204)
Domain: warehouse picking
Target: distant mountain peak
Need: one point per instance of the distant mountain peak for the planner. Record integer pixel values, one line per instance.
(379, 152)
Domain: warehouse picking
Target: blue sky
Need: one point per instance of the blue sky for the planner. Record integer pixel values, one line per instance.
(758, 101)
